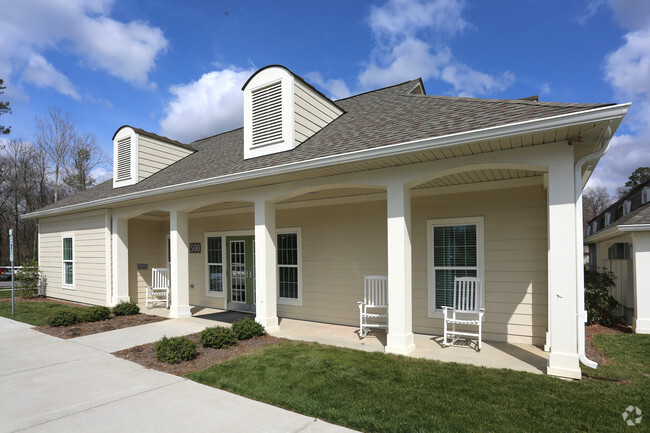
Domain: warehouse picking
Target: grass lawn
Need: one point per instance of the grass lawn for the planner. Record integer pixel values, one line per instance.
(33, 313)
(375, 392)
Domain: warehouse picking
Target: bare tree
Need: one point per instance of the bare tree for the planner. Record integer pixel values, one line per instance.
(55, 135)
(4, 109)
(594, 201)
(85, 156)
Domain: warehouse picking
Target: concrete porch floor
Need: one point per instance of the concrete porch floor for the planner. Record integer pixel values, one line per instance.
(520, 357)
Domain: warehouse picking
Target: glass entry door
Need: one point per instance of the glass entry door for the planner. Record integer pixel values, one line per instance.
(241, 270)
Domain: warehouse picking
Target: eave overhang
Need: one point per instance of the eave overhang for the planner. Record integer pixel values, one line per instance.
(613, 114)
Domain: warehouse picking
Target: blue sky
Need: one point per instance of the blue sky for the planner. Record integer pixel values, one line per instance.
(176, 68)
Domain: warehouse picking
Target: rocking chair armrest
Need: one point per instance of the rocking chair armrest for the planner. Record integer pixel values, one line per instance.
(444, 308)
(361, 304)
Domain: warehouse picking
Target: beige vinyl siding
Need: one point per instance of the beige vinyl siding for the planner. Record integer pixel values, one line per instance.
(197, 265)
(89, 252)
(154, 155)
(147, 245)
(340, 244)
(312, 112)
(516, 271)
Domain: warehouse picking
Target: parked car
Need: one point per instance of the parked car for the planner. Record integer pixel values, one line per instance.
(5, 273)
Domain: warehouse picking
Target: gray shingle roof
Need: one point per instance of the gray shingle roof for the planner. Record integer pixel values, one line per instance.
(371, 120)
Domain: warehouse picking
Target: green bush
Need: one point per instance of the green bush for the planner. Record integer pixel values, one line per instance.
(176, 349)
(218, 337)
(247, 328)
(62, 318)
(600, 305)
(126, 309)
(95, 314)
(29, 278)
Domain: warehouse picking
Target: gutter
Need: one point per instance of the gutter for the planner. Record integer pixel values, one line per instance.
(581, 313)
(601, 114)
(634, 228)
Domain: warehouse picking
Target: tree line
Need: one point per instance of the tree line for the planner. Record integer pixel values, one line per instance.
(57, 162)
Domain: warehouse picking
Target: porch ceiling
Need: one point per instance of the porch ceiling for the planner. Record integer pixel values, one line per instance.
(334, 193)
(479, 176)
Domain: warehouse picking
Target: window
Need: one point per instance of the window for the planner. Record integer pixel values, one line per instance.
(68, 262)
(288, 256)
(215, 265)
(455, 249)
(620, 251)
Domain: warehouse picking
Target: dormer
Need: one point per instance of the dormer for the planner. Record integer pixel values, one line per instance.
(281, 111)
(137, 154)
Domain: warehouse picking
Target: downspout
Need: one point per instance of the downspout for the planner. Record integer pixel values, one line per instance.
(581, 313)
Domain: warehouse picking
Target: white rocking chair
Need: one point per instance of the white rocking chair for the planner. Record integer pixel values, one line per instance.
(466, 310)
(373, 311)
(159, 289)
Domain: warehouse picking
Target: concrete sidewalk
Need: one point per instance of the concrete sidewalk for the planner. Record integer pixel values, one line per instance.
(49, 384)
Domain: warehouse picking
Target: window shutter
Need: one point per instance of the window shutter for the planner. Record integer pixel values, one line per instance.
(124, 159)
(267, 114)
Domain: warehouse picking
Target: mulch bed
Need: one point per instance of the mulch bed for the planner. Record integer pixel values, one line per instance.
(590, 331)
(88, 328)
(145, 354)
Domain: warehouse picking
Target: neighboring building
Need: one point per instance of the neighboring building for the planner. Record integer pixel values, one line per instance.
(286, 215)
(619, 240)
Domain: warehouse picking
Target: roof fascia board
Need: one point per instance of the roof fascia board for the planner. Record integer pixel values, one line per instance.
(600, 114)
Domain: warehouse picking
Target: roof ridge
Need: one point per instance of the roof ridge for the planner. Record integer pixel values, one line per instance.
(378, 90)
(217, 134)
(515, 101)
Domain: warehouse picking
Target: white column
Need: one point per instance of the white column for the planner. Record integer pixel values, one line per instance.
(641, 242)
(563, 357)
(400, 301)
(266, 303)
(180, 291)
(120, 261)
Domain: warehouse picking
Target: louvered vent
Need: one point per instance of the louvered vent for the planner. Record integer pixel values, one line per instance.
(267, 114)
(124, 159)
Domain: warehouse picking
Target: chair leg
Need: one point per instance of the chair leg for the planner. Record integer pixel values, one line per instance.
(445, 329)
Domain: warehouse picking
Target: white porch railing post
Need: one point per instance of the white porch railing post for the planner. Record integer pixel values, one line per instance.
(562, 276)
(641, 242)
(400, 300)
(266, 304)
(180, 291)
(120, 260)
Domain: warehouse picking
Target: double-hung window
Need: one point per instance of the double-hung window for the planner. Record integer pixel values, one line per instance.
(455, 249)
(288, 257)
(68, 262)
(215, 265)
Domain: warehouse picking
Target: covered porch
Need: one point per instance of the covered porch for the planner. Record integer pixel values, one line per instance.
(519, 357)
(377, 222)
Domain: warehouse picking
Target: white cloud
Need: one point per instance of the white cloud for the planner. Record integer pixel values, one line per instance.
(334, 88)
(468, 82)
(406, 17)
(41, 73)
(214, 103)
(402, 29)
(32, 29)
(627, 70)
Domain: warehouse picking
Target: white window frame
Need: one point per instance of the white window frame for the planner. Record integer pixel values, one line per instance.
(480, 263)
(291, 301)
(63, 261)
(207, 264)
(124, 133)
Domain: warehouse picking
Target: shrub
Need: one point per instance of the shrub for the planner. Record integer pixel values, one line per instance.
(62, 318)
(218, 337)
(176, 349)
(126, 309)
(29, 278)
(95, 314)
(247, 328)
(600, 305)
